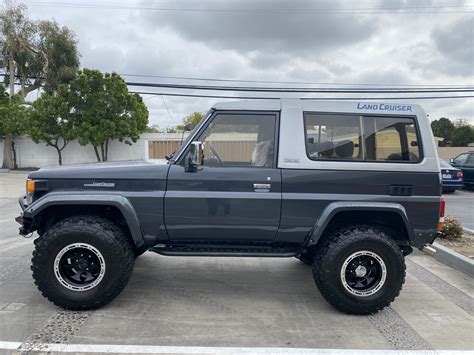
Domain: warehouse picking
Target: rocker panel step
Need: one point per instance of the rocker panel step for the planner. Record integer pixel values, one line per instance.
(226, 250)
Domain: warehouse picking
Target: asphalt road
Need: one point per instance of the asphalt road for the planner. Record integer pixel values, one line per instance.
(460, 204)
(173, 305)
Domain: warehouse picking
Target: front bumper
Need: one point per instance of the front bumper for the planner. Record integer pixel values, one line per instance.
(22, 202)
(26, 223)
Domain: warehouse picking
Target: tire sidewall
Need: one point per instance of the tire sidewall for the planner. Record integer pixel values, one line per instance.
(394, 272)
(65, 237)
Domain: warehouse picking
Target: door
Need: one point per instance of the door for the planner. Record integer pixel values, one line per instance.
(465, 162)
(468, 169)
(236, 194)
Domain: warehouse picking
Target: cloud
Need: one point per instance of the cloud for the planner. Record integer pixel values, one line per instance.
(455, 45)
(385, 49)
(266, 37)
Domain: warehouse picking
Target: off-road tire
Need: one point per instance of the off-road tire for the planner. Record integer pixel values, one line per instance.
(331, 254)
(102, 234)
(305, 258)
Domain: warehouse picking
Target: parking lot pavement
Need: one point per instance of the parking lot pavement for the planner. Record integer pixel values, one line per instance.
(460, 204)
(228, 302)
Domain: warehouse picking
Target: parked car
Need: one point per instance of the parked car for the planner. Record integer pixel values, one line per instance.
(254, 179)
(452, 177)
(465, 162)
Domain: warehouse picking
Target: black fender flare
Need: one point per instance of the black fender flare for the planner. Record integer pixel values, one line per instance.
(71, 198)
(333, 208)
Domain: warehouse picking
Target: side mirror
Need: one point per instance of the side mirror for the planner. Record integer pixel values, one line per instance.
(195, 157)
(451, 160)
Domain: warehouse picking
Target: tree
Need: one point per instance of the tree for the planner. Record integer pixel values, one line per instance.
(190, 120)
(103, 109)
(443, 128)
(12, 120)
(462, 136)
(194, 118)
(49, 121)
(37, 53)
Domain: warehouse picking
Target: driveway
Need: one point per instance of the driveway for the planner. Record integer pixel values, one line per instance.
(196, 305)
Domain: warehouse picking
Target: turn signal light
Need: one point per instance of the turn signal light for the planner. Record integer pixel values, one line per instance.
(30, 186)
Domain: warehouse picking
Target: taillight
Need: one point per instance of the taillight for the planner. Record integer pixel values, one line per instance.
(459, 174)
(442, 210)
(442, 207)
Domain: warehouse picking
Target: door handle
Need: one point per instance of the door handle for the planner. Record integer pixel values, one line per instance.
(262, 187)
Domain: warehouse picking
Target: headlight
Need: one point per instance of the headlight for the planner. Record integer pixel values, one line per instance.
(30, 191)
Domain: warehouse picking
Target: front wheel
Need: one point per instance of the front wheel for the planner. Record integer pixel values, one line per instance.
(82, 262)
(359, 269)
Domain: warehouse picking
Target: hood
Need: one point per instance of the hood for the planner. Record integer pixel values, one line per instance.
(117, 170)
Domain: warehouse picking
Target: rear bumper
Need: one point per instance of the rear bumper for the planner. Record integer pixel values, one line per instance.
(423, 237)
(453, 185)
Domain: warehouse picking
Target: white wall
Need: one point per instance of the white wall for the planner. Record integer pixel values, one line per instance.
(32, 155)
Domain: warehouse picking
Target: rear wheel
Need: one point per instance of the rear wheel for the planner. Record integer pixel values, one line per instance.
(359, 269)
(82, 262)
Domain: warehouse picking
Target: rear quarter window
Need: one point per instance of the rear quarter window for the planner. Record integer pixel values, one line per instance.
(361, 138)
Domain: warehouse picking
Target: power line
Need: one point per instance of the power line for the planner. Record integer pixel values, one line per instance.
(290, 82)
(167, 109)
(312, 11)
(303, 98)
(342, 90)
(298, 90)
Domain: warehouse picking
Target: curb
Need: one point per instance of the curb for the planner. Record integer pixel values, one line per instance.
(469, 230)
(4, 170)
(454, 259)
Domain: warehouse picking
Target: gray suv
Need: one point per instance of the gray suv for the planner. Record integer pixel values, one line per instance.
(348, 188)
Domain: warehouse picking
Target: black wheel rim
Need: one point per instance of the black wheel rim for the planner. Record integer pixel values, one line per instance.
(363, 273)
(79, 267)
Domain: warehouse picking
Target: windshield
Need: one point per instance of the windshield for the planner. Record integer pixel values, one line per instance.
(190, 135)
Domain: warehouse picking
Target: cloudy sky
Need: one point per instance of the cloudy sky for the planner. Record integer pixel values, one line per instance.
(387, 42)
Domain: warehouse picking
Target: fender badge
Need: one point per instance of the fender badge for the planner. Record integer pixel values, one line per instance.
(100, 184)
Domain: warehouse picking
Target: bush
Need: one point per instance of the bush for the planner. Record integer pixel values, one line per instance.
(452, 228)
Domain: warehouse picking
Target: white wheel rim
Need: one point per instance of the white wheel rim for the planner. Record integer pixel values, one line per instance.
(66, 283)
(359, 270)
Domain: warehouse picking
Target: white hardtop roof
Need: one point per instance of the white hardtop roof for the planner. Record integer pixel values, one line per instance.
(320, 105)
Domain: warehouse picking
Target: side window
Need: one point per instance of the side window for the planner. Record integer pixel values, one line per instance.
(336, 137)
(391, 138)
(240, 140)
(470, 160)
(461, 159)
(358, 138)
